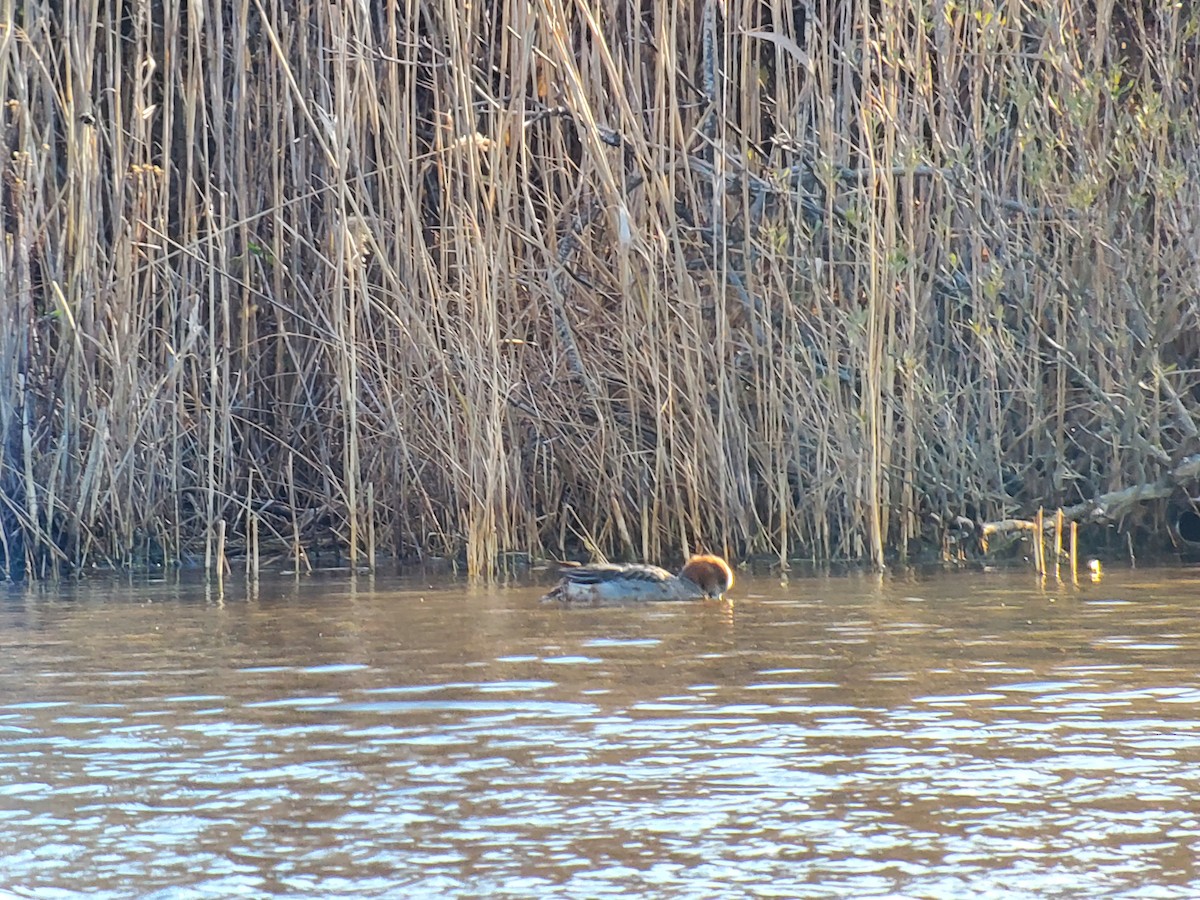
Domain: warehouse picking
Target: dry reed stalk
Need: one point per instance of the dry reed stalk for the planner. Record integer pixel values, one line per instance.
(371, 526)
(1039, 542)
(253, 563)
(1075, 553)
(221, 563)
(689, 276)
(1058, 539)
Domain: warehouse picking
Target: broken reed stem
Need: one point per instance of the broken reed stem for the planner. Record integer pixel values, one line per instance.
(1039, 542)
(221, 563)
(252, 560)
(1075, 552)
(371, 526)
(1058, 539)
(251, 531)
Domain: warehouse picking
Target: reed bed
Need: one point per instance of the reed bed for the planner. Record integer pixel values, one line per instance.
(804, 280)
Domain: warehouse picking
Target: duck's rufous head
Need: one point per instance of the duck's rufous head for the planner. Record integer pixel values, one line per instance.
(709, 573)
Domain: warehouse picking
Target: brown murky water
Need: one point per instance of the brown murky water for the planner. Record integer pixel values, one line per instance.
(958, 736)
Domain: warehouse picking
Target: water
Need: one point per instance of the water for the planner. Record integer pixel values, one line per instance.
(958, 736)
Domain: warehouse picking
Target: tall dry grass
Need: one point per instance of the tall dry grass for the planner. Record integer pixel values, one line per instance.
(772, 278)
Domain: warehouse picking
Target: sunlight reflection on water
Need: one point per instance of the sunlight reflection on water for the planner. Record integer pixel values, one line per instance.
(961, 736)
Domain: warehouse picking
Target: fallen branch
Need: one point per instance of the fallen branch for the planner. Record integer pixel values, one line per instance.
(1106, 507)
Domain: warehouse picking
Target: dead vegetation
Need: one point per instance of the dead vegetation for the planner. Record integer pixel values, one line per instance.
(795, 279)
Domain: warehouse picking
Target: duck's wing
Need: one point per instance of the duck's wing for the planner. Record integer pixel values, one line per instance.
(602, 574)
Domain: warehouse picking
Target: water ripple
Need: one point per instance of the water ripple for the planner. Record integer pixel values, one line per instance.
(952, 739)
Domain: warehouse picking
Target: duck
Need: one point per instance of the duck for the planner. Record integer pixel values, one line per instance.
(702, 577)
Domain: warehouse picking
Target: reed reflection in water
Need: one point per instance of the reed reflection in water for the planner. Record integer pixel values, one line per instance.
(957, 736)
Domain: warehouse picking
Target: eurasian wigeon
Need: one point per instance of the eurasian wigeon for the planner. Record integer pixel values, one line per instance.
(702, 577)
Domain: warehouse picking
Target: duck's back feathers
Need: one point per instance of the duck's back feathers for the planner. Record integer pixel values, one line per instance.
(602, 573)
